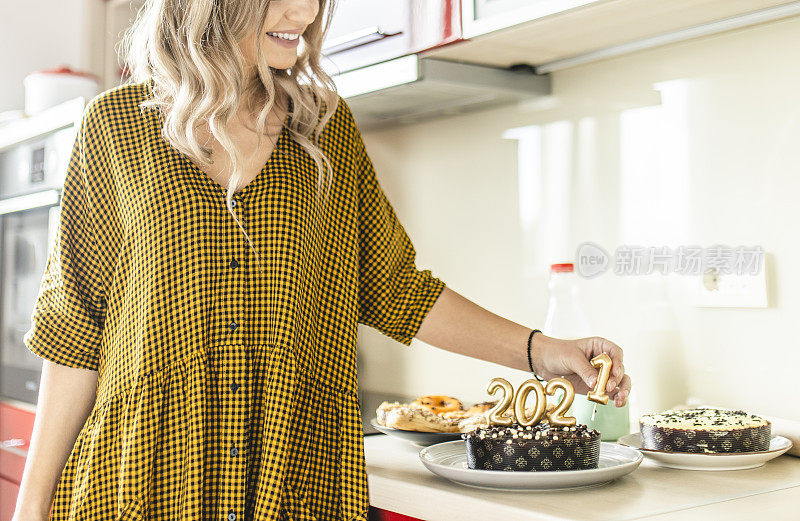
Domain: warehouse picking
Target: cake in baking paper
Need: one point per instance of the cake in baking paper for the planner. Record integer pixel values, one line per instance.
(705, 430)
(532, 448)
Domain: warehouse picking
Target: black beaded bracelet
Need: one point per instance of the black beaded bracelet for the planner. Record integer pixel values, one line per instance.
(530, 361)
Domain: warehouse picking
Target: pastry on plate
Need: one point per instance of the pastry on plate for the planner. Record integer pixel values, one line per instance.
(480, 408)
(432, 413)
(472, 422)
(404, 417)
(438, 403)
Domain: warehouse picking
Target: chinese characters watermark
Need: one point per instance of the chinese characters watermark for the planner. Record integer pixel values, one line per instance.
(592, 260)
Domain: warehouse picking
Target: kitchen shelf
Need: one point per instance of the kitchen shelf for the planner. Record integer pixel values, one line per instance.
(49, 120)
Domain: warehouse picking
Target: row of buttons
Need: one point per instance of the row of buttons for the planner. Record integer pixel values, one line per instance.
(234, 385)
(233, 451)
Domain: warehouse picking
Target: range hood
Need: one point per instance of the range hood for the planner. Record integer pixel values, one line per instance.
(413, 88)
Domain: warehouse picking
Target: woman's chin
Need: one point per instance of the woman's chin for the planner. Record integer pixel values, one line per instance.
(281, 62)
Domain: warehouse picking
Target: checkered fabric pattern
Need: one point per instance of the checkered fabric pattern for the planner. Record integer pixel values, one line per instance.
(223, 393)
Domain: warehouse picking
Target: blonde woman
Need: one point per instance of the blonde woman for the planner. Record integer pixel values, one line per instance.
(222, 234)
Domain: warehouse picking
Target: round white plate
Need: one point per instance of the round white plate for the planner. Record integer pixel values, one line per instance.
(449, 460)
(418, 438)
(692, 461)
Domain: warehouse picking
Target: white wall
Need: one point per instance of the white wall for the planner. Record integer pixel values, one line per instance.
(696, 143)
(43, 34)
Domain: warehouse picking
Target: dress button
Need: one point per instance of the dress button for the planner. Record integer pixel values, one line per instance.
(233, 203)
(231, 516)
(234, 263)
(234, 451)
(233, 325)
(234, 387)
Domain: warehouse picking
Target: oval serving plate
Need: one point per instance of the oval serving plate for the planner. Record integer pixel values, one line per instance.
(418, 438)
(449, 460)
(716, 461)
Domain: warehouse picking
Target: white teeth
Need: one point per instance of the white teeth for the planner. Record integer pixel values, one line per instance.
(285, 36)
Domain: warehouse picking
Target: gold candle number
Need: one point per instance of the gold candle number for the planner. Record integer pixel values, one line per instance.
(494, 417)
(522, 397)
(603, 363)
(556, 416)
(598, 395)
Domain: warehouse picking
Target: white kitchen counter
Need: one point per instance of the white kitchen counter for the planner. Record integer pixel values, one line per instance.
(398, 481)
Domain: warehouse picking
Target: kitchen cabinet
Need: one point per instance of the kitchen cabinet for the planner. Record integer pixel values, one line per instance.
(484, 16)
(379, 25)
(555, 34)
(524, 37)
(8, 497)
(365, 32)
(377, 514)
(373, 56)
(548, 34)
(16, 426)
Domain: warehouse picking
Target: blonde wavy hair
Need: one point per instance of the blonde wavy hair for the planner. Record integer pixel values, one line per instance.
(189, 49)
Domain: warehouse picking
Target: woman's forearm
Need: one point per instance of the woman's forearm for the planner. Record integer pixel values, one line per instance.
(457, 324)
(66, 396)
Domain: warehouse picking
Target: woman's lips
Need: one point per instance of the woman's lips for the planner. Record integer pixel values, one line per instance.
(283, 42)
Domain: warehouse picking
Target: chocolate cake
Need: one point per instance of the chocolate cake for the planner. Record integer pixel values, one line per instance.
(705, 430)
(536, 448)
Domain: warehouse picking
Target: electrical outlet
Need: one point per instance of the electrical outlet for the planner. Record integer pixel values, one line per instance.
(731, 290)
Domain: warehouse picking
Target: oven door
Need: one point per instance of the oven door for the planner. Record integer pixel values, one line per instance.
(29, 224)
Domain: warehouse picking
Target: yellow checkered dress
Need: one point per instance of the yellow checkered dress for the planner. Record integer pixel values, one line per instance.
(223, 393)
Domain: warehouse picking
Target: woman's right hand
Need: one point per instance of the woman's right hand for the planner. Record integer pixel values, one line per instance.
(570, 358)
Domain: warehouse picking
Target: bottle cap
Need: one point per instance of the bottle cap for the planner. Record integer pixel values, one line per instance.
(566, 267)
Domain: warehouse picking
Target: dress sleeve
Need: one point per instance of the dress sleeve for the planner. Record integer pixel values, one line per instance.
(68, 315)
(394, 296)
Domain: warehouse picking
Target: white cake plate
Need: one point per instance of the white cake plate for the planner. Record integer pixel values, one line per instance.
(717, 461)
(449, 460)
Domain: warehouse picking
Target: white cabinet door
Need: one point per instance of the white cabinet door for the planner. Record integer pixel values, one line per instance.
(484, 16)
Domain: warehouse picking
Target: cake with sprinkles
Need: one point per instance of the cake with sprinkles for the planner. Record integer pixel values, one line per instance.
(532, 448)
(705, 430)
